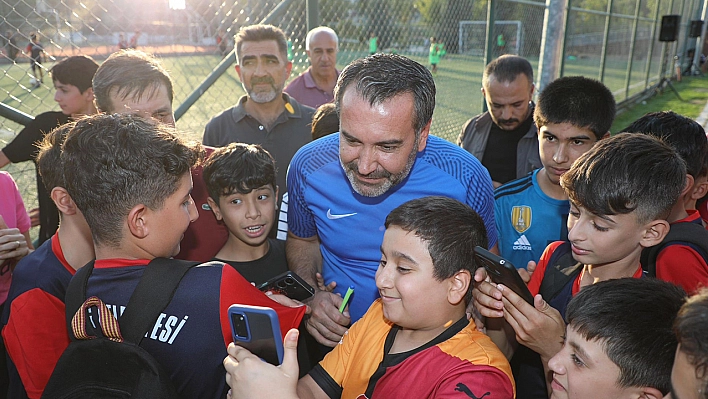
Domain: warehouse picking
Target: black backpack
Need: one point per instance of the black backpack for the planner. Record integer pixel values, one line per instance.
(106, 361)
(693, 235)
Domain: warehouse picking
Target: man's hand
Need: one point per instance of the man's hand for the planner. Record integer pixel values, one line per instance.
(250, 377)
(321, 284)
(540, 327)
(325, 323)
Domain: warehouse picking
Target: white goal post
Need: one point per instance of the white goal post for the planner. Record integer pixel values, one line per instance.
(472, 36)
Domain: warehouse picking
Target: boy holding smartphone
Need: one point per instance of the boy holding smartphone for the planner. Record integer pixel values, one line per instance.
(621, 192)
(240, 179)
(415, 341)
(131, 179)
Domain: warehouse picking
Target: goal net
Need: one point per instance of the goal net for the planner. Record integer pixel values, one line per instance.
(507, 37)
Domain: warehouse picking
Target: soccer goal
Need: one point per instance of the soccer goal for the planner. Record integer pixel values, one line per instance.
(507, 37)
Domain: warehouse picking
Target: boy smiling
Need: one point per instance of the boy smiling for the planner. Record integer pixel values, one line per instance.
(619, 342)
(415, 341)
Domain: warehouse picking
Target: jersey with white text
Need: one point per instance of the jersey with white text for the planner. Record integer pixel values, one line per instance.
(190, 336)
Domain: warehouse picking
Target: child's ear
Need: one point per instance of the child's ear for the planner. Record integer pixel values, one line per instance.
(214, 208)
(138, 221)
(699, 190)
(688, 185)
(655, 231)
(459, 284)
(88, 94)
(650, 393)
(63, 201)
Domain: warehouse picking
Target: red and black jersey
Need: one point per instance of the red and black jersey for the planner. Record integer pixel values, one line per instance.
(34, 325)
(459, 362)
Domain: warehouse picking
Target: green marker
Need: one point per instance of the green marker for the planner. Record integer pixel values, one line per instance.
(346, 298)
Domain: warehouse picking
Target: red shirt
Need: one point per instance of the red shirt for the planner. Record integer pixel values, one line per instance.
(681, 264)
(206, 235)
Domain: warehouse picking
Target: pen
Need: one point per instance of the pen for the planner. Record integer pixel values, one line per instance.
(348, 295)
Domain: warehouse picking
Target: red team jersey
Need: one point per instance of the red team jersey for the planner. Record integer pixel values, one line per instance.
(459, 362)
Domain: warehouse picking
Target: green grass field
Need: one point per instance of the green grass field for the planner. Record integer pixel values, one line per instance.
(458, 83)
(458, 95)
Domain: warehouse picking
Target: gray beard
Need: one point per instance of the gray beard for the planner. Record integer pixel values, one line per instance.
(391, 179)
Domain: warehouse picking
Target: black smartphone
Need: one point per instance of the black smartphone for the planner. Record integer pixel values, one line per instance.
(289, 284)
(501, 271)
(257, 329)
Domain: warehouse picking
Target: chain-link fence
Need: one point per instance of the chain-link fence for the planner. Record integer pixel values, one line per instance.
(612, 40)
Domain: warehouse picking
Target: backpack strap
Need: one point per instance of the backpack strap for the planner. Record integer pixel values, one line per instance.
(691, 234)
(154, 292)
(76, 294)
(151, 296)
(561, 269)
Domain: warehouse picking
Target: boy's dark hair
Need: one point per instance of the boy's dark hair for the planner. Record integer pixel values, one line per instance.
(632, 319)
(380, 77)
(260, 33)
(49, 162)
(691, 329)
(684, 134)
(627, 173)
(449, 228)
(582, 102)
(130, 73)
(325, 121)
(115, 162)
(506, 68)
(240, 168)
(76, 71)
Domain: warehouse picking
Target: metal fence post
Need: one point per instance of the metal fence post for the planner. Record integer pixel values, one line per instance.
(605, 40)
(313, 19)
(701, 39)
(551, 42)
(565, 36)
(651, 46)
(489, 46)
(635, 25)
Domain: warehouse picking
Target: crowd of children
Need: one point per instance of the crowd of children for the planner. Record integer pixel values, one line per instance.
(624, 248)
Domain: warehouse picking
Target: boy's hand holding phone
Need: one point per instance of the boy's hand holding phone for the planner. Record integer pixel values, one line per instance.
(247, 375)
(539, 327)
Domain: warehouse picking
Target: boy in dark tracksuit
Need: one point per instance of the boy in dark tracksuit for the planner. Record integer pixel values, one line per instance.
(131, 179)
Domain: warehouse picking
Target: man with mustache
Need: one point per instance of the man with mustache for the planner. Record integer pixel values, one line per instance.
(315, 86)
(265, 115)
(342, 186)
(505, 138)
